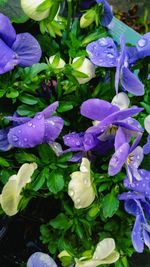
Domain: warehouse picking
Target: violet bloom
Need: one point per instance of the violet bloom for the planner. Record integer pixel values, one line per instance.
(104, 53)
(146, 147)
(40, 259)
(16, 49)
(107, 10)
(108, 118)
(30, 132)
(124, 154)
(136, 205)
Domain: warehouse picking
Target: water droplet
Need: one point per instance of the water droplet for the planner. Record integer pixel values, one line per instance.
(25, 139)
(78, 200)
(39, 116)
(110, 55)
(142, 42)
(15, 138)
(78, 143)
(19, 131)
(34, 126)
(103, 42)
(85, 181)
(30, 124)
(71, 193)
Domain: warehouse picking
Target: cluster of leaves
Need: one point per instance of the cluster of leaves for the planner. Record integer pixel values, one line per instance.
(31, 89)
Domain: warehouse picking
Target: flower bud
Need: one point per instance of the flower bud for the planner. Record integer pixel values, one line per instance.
(30, 9)
(121, 100)
(147, 124)
(87, 18)
(57, 62)
(87, 68)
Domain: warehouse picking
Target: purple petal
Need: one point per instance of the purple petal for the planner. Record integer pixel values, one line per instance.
(53, 127)
(7, 31)
(131, 195)
(28, 134)
(77, 157)
(136, 157)
(4, 144)
(39, 259)
(130, 124)
(146, 147)
(132, 54)
(136, 142)
(97, 109)
(19, 120)
(74, 140)
(146, 238)
(103, 52)
(89, 141)
(120, 115)
(143, 46)
(48, 112)
(120, 138)
(27, 48)
(131, 83)
(9, 59)
(107, 15)
(131, 207)
(118, 159)
(137, 238)
(120, 62)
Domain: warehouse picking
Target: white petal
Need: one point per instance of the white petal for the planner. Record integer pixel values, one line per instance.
(29, 7)
(121, 100)
(60, 64)
(147, 124)
(88, 68)
(104, 248)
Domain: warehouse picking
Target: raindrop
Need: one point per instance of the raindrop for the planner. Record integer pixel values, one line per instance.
(15, 138)
(110, 55)
(71, 193)
(30, 124)
(25, 139)
(85, 181)
(39, 116)
(19, 131)
(103, 42)
(78, 143)
(34, 126)
(78, 200)
(142, 42)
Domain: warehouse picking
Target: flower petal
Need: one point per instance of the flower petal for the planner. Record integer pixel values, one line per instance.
(74, 140)
(103, 52)
(53, 127)
(136, 157)
(118, 159)
(137, 238)
(28, 134)
(120, 138)
(7, 31)
(146, 147)
(9, 58)
(97, 109)
(27, 48)
(121, 100)
(131, 83)
(147, 123)
(146, 237)
(4, 144)
(107, 15)
(104, 248)
(143, 46)
(40, 259)
(48, 112)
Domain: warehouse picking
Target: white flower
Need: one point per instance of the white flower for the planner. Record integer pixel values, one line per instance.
(80, 188)
(29, 7)
(147, 123)
(87, 68)
(59, 64)
(11, 193)
(121, 100)
(104, 254)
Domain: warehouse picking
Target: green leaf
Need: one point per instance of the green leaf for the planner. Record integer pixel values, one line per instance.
(12, 94)
(23, 157)
(12, 9)
(110, 204)
(55, 182)
(65, 157)
(60, 222)
(44, 6)
(146, 106)
(46, 153)
(28, 99)
(65, 106)
(40, 180)
(4, 162)
(25, 110)
(79, 74)
(78, 63)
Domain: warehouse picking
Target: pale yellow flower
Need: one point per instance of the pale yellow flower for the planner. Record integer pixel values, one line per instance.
(29, 7)
(61, 63)
(87, 68)
(147, 124)
(11, 193)
(80, 187)
(104, 254)
(121, 100)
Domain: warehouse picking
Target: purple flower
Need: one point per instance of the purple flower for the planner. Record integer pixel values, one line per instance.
(137, 205)
(104, 53)
(124, 154)
(39, 259)
(4, 144)
(146, 147)
(43, 128)
(16, 49)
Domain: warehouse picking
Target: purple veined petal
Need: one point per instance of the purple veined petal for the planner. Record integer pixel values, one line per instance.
(146, 237)
(120, 138)
(90, 141)
(48, 112)
(120, 62)
(19, 120)
(7, 31)
(4, 144)
(129, 173)
(97, 109)
(53, 127)
(130, 124)
(29, 134)
(132, 54)
(40, 259)
(108, 15)
(120, 115)
(131, 195)
(136, 142)
(77, 157)
(74, 140)
(143, 46)
(131, 83)
(103, 52)
(118, 159)
(146, 209)
(131, 207)
(135, 158)
(137, 238)
(27, 48)
(9, 58)
(146, 147)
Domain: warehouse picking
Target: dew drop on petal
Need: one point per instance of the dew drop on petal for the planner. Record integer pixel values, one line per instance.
(15, 138)
(71, 193)
(30, 124)
(103, 42)
(142, 42)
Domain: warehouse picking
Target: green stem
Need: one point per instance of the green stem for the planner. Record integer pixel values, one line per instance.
(69, 17)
